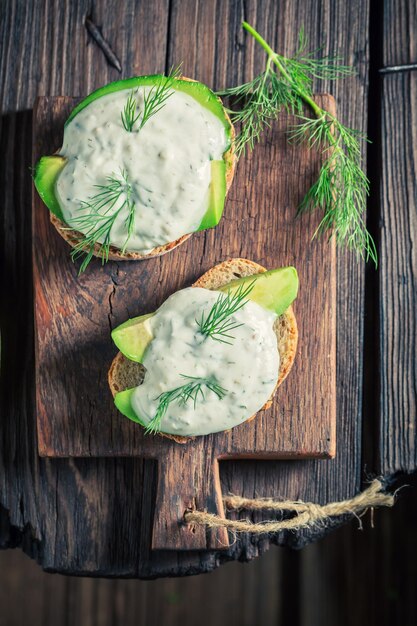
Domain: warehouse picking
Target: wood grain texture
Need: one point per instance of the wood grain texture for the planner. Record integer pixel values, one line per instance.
(398, 287)
(35, 493)
(398, 235)
(351, 578)
(399, 32)
(237, 595)
(74, 316)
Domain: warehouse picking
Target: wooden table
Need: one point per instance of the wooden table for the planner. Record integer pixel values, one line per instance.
(84, 516)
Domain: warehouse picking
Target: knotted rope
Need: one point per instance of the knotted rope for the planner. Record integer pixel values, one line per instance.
(307, 513)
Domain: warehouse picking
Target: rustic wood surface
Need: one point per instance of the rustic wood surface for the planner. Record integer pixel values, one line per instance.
(398, 244)
(399, 41)
(350, 578)
(75, 410)
(398, 289)
(80, 516)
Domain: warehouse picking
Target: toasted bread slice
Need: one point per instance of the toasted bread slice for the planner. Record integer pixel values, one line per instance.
(73, 237)
(125, 374)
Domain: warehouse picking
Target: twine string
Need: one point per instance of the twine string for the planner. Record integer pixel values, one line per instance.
(307, 513)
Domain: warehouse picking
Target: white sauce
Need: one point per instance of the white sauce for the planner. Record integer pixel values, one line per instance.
(247, 369)
(167, 164)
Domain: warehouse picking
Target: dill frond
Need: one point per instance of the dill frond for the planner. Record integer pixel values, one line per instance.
(129, 114)
(96, 225)
(217, 324)
(191, 390)
(154, 100)
(157, 96)
(286, 84)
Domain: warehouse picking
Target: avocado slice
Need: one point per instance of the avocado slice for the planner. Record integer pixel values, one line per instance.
(49, 168)
(133, 337)
(123, 401)
(47, 171)
(274, 290)
(217, 196)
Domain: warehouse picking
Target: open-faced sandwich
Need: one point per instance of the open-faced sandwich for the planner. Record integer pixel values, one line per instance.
(212, 355)
(144, 162)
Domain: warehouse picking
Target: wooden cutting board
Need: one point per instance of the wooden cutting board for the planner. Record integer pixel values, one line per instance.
(75, 314)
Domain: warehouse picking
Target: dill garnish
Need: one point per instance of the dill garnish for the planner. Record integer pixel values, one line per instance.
(96, 225)
(129, 115)
(217, 324)
(153, 101)
(191, 390)
(342, 186)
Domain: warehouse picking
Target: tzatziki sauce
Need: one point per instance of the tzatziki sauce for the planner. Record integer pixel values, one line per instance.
(246, 368)
(167, 164)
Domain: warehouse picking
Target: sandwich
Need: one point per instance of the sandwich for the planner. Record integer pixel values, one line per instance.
(145, 162)
(212, 356)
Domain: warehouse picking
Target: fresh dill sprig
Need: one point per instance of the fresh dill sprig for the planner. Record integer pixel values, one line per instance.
(342, 186)
(156, 98)
(129, 115)
(287, 84)
(217, 324)
(191, 390)
(153, 101)
(103, 210)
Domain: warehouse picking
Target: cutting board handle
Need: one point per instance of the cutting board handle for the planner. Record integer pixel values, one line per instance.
(188, 478)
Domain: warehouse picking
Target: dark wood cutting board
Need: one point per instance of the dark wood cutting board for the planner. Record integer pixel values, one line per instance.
(75, 314)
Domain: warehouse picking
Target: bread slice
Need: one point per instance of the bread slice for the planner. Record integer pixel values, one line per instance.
(73, 237)
(125, 374)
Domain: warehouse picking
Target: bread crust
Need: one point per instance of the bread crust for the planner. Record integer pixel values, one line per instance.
(73, 237)
(285, 327)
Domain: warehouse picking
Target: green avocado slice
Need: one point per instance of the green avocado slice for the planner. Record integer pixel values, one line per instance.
(123, 402)
(133, 337)
(274, 290)
(217, 196)
(47, 171)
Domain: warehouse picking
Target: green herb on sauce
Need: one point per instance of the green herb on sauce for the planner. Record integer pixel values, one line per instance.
(217, 324)
(98, 222)
(130, 114)
(191, 390)
(153, 102)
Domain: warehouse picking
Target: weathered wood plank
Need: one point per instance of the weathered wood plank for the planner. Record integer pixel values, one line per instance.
(352, 577)
(29, 487)
(399, 32)
(398, 263)
(51, 52)
(246, 595)
(398, 235)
